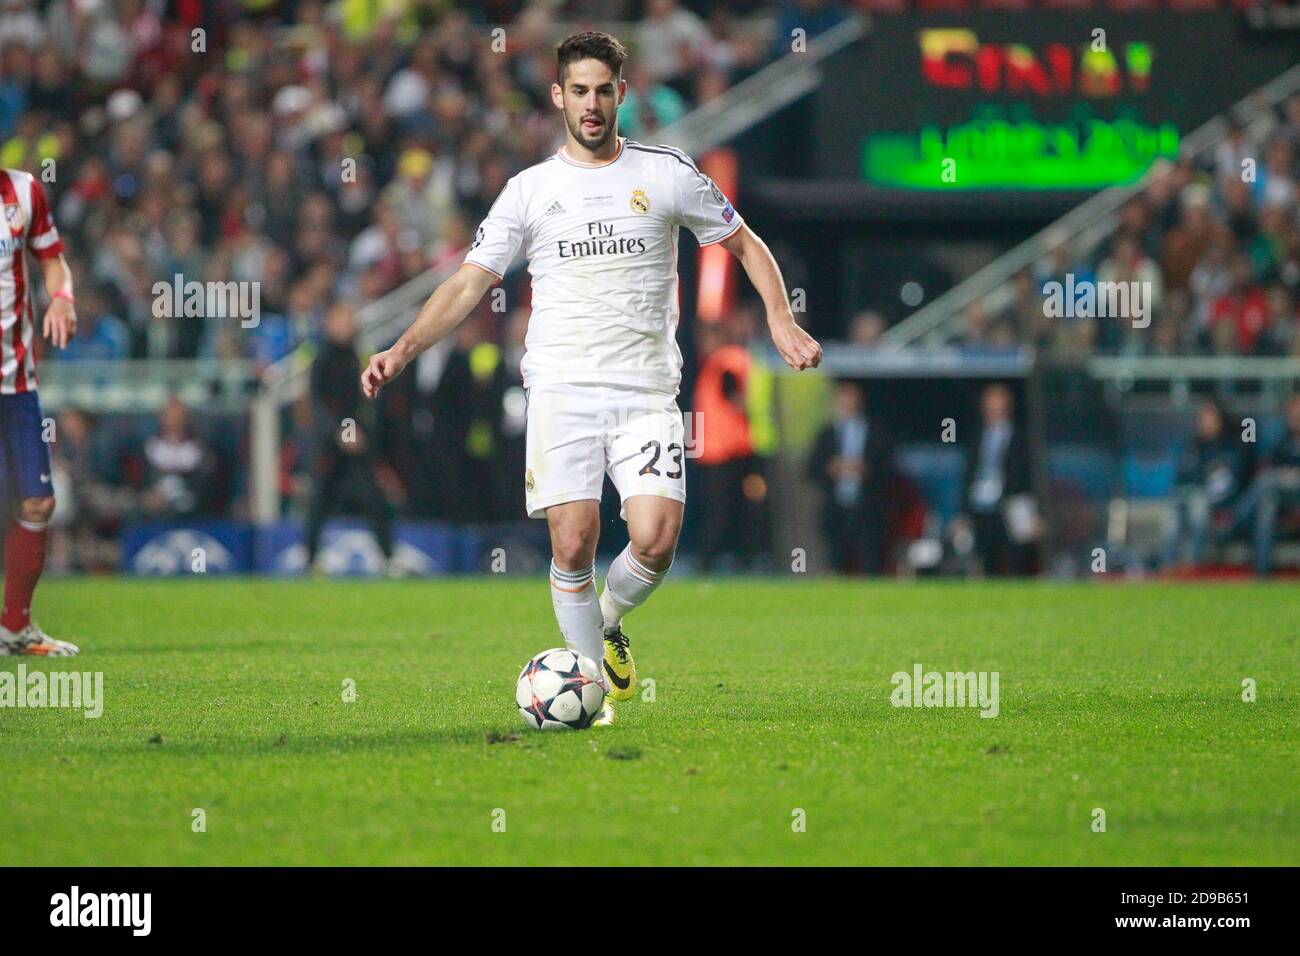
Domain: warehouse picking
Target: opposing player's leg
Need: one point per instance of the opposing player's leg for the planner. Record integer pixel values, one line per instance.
(25, 544)
(25, 474)
(646, 465)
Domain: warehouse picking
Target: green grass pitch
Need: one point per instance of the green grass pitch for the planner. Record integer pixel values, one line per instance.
(771, 696)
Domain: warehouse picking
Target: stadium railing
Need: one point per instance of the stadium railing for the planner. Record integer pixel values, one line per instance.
(755, 98)
(143, 385)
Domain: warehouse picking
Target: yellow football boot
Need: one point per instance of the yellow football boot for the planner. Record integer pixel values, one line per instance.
(620, 669)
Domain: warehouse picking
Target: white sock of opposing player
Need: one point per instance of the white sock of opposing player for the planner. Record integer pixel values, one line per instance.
(573, 594)
(627, 585)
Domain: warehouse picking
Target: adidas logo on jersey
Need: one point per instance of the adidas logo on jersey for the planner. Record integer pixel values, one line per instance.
(554, 208)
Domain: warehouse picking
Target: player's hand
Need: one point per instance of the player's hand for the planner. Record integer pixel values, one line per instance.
(60, 323)
(799, 349)
(383, 368)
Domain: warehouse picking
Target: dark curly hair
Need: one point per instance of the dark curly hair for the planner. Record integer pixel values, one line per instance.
(590, 46)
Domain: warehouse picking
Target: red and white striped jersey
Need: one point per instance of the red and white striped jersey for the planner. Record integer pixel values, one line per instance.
(27, 225)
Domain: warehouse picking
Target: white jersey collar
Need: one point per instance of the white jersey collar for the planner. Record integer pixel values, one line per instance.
(622, 146)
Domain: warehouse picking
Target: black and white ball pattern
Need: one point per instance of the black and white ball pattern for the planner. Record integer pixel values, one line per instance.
(559, 690)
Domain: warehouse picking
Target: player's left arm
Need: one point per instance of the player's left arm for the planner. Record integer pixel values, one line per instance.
(43, 242)
(799, 349)
(60, 323)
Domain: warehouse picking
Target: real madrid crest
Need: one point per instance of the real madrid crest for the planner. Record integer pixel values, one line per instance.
(14, 216)
(529, 482)
(640, 202)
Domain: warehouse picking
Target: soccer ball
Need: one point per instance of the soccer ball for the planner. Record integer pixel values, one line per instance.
(559, 689)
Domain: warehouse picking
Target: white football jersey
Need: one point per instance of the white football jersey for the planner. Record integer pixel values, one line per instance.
(601, 244)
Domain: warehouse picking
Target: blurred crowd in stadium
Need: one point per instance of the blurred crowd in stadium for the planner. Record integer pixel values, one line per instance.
(1217, 244)
(324, 150)
(330, 150)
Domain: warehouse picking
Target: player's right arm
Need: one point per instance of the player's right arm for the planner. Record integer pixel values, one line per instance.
(447, 308)
(497, 241)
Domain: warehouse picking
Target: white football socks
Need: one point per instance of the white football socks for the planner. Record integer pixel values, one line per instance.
(627, 585)
(573, 594)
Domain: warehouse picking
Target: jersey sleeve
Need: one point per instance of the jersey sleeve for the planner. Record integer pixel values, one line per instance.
(42, 238)
(501, 234)
(702, 207)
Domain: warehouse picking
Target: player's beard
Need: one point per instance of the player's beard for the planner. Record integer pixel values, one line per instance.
(607, 130)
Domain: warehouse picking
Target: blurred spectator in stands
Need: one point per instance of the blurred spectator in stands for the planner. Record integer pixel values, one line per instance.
(101, 336)
(1277, 489)
(180, 468)
(649, 106)
(431, 432)
(1127, 263)
(1074, 334)
(483, 402)
(298, 455)
(1271, 247)
(381, 247)
(1239, 317)
(866, 328)
(1275, 184)
(1025, 314)
(1214, 470)
(1161, 199)
(91, 497)
(423, 193)
(1061, 262)
(512, 452)
(975, 323)
(983, 331)
(346, 479)
(733, 487)
(1172, 328)
(998, 505)
(1233, 153)
(668, 39)
(851, 462)
(1195, 234)
(1239, 210)
(720, 50)
(1210, 280)
(20, 24)
(1283, 322)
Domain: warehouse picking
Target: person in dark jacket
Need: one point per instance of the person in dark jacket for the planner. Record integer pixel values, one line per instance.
(997, 496)
(1277, 489)
(1214, 471)
(851, 462)
(345, 472)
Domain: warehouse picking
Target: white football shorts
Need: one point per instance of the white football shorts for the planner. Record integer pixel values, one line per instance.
(577, 434)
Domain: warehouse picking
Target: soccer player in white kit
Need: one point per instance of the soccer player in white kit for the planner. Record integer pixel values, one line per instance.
(598, 224)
